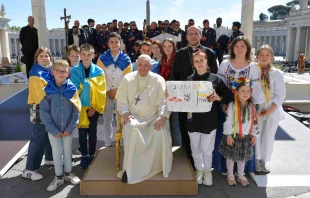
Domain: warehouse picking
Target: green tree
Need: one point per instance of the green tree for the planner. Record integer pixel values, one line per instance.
(263, 17)
(278, 10)
(14, 27)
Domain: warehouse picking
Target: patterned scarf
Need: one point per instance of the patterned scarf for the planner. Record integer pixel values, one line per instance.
(265, 80)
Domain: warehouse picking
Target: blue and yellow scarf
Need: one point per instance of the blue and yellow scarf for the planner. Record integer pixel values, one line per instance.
(92, 90)
(123, 61)
(36, 84)
(69, 90)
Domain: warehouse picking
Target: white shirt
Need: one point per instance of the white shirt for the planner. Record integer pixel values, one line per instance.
(246, 126)
(113, 75)
(220, 31)
(76, 40)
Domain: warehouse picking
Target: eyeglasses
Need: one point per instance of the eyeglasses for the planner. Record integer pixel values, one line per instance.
(60, 72)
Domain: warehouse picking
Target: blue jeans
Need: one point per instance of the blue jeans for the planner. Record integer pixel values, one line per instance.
(175, 129)
(61, 147)
(92, 136)
(39, 143)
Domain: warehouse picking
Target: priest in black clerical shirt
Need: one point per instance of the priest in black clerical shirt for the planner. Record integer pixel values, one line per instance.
(183, 68)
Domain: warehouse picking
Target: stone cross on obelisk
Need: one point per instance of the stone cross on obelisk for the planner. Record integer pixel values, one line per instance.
(66, 20)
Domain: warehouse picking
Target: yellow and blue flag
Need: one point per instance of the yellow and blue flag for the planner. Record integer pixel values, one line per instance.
(92, 90)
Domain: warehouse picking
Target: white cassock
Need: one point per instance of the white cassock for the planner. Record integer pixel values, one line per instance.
(268, 124)
(147, 152)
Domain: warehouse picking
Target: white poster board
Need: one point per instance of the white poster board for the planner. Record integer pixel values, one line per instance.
(162, 37)
(189, 96)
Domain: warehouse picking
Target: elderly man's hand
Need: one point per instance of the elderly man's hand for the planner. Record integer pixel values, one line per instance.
(160, 123)
(127, 118)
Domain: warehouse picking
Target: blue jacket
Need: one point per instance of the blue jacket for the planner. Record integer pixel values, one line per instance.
(137, 35)
(211, 37)
(102, 40)
(58, 113)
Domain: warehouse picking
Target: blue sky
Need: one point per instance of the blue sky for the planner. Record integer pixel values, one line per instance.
(103, 11)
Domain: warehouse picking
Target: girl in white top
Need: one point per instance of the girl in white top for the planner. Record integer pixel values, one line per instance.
(240, 131)
(272, 83)
(238, 65)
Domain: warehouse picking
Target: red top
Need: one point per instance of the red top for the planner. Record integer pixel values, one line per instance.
(166, 66)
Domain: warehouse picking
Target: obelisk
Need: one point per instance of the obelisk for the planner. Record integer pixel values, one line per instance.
(38, 12)
(148, 13)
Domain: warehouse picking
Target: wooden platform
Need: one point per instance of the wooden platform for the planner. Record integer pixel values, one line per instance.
(100, 178)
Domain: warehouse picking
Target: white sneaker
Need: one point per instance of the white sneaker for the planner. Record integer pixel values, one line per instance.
(32, 175)
(72, 178)
(49, 163)
(199, 176)
(55, 184)
(258, 166)
(207, 178)
(264, 167)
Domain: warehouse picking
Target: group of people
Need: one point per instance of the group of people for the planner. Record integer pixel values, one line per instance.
(246, 107)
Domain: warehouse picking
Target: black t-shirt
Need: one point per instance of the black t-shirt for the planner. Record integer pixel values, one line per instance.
(87, 72)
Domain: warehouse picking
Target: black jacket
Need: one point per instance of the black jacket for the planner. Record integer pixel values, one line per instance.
(182, 67)
(28, 37)
(208, 121)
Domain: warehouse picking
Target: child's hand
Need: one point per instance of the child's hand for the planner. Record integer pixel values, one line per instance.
(166, 94)
(59, 135)
(267, 112)
(253, 141)
(224, 108)
(214, 97)
(230, 140)
(91, 112)
(66, 134)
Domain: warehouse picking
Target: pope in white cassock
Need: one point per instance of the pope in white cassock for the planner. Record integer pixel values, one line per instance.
(142, 103)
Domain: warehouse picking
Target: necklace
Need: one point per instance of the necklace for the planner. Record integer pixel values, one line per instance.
(137, 99)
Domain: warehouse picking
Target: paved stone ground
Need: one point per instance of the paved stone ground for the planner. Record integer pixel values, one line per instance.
(290, 158)
(305, 76)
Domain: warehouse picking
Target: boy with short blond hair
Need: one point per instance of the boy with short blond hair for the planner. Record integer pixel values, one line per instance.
(60, 112)
(90, 82)
(73, 55)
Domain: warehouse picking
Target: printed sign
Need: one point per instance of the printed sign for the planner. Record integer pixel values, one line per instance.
(189, 96)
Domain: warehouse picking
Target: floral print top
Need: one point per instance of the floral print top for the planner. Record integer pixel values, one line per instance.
(229, 74)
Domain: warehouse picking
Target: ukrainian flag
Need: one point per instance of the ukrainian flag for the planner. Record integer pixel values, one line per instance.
(42, 83)
(92, 90)
(37, 84)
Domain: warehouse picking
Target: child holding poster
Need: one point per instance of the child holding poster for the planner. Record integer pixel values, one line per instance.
(202, 126)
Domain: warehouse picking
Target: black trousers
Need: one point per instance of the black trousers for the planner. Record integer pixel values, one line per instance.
(186, 143)
(219, 54)
(92, 136)
(29, 61)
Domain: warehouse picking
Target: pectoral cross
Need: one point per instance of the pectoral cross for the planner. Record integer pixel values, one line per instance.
(137, 100)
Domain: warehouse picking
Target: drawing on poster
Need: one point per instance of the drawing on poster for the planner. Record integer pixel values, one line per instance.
(189, 96)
